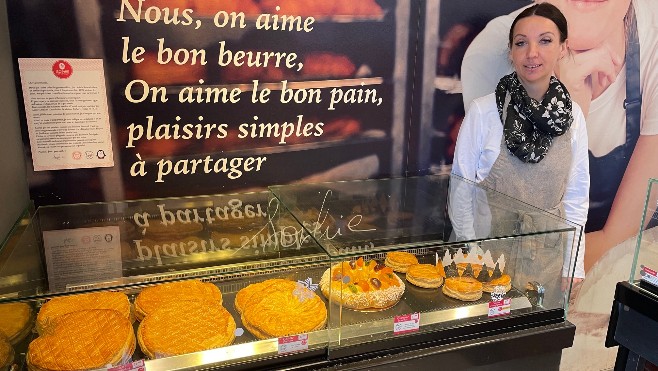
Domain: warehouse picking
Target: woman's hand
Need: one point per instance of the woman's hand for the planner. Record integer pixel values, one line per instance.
(588, 73)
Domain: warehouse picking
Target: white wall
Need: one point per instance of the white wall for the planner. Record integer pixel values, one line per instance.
(13, 184)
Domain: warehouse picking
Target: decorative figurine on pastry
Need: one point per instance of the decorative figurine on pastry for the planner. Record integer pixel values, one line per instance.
(362, 285)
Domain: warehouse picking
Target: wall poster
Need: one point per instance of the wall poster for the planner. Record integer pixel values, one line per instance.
(208, 97)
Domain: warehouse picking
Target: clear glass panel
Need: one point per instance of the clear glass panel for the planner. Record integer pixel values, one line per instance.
(645, 261)
(372, 215)
(89, 246)
(435, 220)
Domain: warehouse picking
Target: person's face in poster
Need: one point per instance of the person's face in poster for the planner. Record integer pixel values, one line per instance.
(591, 22)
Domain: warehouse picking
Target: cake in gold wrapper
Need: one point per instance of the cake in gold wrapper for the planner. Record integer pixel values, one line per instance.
(6, 353)
(191, 290)
(53, 309)
(185, 327)
(278, 308)
(15, 321)
(83, 340)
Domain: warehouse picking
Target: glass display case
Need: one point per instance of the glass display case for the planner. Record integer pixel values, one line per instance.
(302, 275)
(645, 261)
(166, 251)
(430, 258)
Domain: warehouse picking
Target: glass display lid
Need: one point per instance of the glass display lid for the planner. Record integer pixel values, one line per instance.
(645, 261)
(429, 258)
(86, 246)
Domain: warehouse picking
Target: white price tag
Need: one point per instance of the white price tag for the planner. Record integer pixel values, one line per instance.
(132, 366)
(649, 275)
(406, 323)
(290, 344)
(500, 307)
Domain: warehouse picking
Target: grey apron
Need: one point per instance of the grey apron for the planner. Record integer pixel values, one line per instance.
(542, 185)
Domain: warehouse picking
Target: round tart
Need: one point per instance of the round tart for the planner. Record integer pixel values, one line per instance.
(424, 275)
(83, 340)
(6, 353)
(191, 290)
(463, 288)
(280, 308)
(15, 321)
(504, 281)
(53, 309)
(182, 327)
(400, 261)
(254, 292)
(362, 286)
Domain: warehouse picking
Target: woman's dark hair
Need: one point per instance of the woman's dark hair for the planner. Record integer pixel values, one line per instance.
(545, 10)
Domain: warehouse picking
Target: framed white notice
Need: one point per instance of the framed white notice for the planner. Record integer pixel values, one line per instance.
(82, 255)
(67, 115)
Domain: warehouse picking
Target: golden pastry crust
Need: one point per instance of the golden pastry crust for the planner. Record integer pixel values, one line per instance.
(185, 327)
(83, 340)
(463, 288)
(191, 290)
(504, 281)
(400, 261)
(282, 309)
(256, 291)
(439, 267)
(424, 275)
(354, 287)
(53, 309)
(6, 352)
(15, 321)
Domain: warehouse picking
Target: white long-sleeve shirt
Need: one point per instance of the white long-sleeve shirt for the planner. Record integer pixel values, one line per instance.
(478, 147)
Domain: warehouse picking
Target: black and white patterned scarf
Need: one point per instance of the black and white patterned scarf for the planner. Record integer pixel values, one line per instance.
(528, 125)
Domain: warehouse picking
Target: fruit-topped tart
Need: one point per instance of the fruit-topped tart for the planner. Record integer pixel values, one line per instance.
(362, 285)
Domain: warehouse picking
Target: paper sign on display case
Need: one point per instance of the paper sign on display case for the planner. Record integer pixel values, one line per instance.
(67, 113)
(82, 255)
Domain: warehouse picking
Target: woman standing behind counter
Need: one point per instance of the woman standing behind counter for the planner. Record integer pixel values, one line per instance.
(612, 73)
(528, 138)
